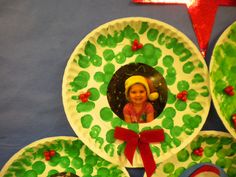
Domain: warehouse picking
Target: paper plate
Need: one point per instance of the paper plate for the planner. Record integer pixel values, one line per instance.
(105, 58)
(71, 157)
(223, 74)
(219, 150)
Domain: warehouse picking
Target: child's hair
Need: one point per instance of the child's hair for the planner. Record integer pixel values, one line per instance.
(147, 83)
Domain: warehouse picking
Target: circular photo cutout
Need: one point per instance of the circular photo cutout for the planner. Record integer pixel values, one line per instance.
(137, 90)
(138, 74)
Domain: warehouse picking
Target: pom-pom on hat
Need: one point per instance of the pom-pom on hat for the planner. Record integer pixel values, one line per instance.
(147, 83)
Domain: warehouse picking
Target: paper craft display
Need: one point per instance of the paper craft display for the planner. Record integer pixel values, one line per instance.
(202, 14)
(59, 157)
(222, 78)
(102, 62)
(217, 159)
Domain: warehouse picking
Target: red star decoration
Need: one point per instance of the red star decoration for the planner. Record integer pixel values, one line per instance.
(202, 14)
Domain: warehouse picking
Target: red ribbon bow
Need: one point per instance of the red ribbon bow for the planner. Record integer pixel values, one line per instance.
(141, 141)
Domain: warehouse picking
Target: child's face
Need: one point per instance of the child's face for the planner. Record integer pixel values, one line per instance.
(137, 94)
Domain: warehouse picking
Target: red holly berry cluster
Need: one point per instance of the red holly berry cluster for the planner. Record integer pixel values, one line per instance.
(49, 154)
(182, 95)
(84, 96)
(234, 120)
(136, 45)
(229, 90)
(198, 151)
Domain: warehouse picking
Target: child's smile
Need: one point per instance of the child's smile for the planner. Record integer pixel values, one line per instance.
(137, 94)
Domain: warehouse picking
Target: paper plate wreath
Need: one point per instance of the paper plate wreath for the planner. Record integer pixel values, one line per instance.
(151, 49)
(222, 78)
(59, 157)
(211, 153)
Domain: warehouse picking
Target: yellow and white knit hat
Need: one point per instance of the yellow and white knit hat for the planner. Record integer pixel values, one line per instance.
(147, 83)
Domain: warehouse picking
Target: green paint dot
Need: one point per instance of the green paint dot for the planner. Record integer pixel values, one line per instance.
(140, 59)
(159, 69)
(188, 67)
(168, 61)
(80, 81)
(103, 172)
(148, 50)
(182, 85)
(52, 172)
(109, 149)
(168, 167)
(94, 94)
(91, 160)
(134, 127)
(96, 60)
(171, 71)
(99, 76)
(55, 160)
(120, 58)
(209, 152)
(152, 34)
(83, 61)
(192, 94)
(177, 142)
(195, 157)
(168, 123)
(195, 107)
(221, 163)
(102, 40)
(170, 80)
(179, 171)
(110, 136)
(206, 160)
(77, 162)
(205, 93)
(116, 122)
(95, 131)
(90, 49)
(86, 120)
(197, 78)
(183, 155)
(106, 114)
(108, 54)
(211, 140)
(170, 112)
(171, 98)
(85, 106)
(176, 131)
(103, 89)
(64, 162)
(231, 172)
(144, 27)
(30, 173)
(39, 167)
(70, 170)
(127, 51)
(180, 105)
(109, 68)
(155, 150)
(87, 169)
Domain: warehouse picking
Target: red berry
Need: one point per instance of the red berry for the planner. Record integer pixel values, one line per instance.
(201, 149)
(184, 98)
(134, 47)
(52, 153)
(81, 96)
(179, 95)
(47, 158)
(46, 153)
(87, 94)
(136, 42)
(84, 99)
(184, 92)
(139, 46)
(229, 90)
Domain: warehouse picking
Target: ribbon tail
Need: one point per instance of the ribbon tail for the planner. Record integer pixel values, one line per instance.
(129, 151)
(148, 160)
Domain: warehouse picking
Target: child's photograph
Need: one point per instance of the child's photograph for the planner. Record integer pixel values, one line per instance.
(137, 93)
